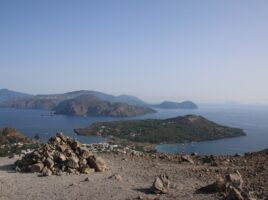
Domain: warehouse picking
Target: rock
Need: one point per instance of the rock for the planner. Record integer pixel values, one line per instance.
(72, 162)
(62, 148)
(75, 144)
(59, 173)
(57, 140)
(17, 169)
(97, 163)
(142, 197)
(218, 186)
(232, 185)
(62, 136)
(60, 155)
(208, 159)
(86, 179)
(49, 163)
(117, 177)
(161, 184)
(71, 171)
(38, 167)
(87, 170)
(194, 154)
(234, 194)
(235, 180)
(85, 153)
(82, 162)
(47, 172)
(73, 184)
(187, 158)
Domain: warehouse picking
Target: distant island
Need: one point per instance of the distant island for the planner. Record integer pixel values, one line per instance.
(86, 103)
(174, 130)
(175, 105)
(89, 105)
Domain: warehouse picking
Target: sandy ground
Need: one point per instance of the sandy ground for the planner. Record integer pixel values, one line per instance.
(137, 177)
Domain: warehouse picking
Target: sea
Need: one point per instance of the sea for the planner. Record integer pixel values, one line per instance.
(252, 119)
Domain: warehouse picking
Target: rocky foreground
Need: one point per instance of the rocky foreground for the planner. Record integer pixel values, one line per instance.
(131, 175)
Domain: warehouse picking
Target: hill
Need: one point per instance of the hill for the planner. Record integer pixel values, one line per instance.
(50, 101)
(175, 105)
(90, 105)
(179, 129)
(6, 94)
(13, 142)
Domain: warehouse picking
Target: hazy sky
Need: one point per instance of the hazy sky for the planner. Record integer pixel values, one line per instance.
(206, 51)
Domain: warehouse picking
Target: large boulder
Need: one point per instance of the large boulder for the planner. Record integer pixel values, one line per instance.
(37, 167)
(219, 185)
(234, 194)
(72, 162)
(47, 172)
(85, 153)
(187, 158)
(97, 163)
(49, 162)
(232, 186)
(161, 184)
(235, 180)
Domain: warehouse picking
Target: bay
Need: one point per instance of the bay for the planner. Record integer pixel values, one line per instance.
(252, 119)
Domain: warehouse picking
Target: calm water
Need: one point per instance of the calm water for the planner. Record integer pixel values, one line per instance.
(253, 119)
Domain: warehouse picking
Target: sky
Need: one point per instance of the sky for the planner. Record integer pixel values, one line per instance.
(205, 51)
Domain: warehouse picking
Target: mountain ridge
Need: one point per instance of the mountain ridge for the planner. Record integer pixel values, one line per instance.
(50, 101)
(6, 94)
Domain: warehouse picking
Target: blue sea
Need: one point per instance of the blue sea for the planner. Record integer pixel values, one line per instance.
(252, 119)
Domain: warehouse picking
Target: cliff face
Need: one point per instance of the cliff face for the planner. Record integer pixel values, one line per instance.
(30, 103)
(89, 105)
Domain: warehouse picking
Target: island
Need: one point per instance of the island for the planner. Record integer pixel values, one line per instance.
(176, 105)
(90, 105)
(181, 129)
(78, 103)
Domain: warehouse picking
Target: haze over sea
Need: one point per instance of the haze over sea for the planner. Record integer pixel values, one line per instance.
(252, 119)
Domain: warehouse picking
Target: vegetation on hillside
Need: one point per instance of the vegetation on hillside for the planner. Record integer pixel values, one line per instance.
(13, 142)
(179, 129)
(89, 105)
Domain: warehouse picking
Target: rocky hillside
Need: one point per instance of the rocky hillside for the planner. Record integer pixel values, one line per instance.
(89, 105)
(179, 129)
(31, 103)
(10, 135)
(12, 141)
